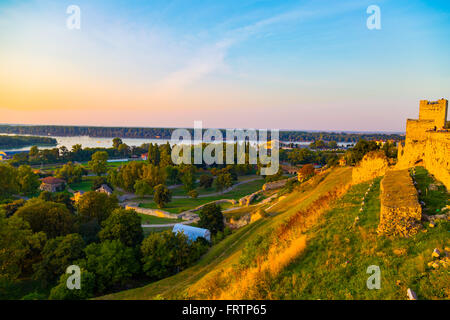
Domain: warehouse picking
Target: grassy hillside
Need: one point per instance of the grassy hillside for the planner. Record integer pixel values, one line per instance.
(307, 249)
(227, 253)
(334, 265)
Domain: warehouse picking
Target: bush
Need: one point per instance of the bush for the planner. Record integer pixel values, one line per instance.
(123, 225)
(206, 181)
(165, 253)
(86, 291)
(111, 261)
(57, 255)
(211, 218)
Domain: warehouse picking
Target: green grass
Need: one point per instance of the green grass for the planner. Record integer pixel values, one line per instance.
(147, 219)
(335, 263)
(435, 199)
(85, 185)
(148, 231)
(180, 205)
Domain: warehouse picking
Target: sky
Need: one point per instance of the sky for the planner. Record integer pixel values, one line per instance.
(302, 65)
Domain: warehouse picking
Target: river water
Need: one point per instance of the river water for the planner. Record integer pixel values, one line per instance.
(94, 142)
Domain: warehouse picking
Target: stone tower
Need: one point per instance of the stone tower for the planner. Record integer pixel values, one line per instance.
(434, 110)
(427, 142)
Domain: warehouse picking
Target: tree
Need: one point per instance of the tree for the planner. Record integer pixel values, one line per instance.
(223, 181)
(98, 181)
(206, 181)
(164, 253)
(58, 254)
(306, 172)
(98, 164)
(193, 194)
(64, 198)
(96, 206)
(172, 174)
(154, 155)
(165, 155)
(112, 263)
(50, 217)
(332, 144)
(128, 175)
(19, 247)
(142, 188)
(162, 195)
(187, 176)
(355, 154)
(153, 175)
(116, 142)
(123, 225)
(211, 218)
(27, 180)
(33, 154)
(70, 172)
(8, 180)
(10, 208)
(124, 149)
(86, 291)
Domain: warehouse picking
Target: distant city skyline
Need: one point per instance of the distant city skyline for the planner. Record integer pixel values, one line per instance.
(290, 65)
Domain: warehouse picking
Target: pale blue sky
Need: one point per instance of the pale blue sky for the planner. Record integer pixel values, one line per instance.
(306, 65)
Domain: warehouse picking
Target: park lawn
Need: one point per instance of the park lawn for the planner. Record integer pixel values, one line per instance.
(148, 219)
(85, 184)
(148, 231)
(179, 205)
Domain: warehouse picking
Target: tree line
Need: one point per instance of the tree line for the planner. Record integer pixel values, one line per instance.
(166, 133)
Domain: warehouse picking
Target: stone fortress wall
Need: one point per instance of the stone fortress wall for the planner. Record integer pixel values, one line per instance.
(427, 141)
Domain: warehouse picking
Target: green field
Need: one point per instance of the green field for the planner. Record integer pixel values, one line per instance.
(85, 185)
(147, 219)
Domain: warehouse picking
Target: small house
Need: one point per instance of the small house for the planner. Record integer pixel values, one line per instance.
(144, 156)
(52, 184)
(192, 232)
(105, 189)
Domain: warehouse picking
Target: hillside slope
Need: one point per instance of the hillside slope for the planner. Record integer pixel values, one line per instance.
(227, 253)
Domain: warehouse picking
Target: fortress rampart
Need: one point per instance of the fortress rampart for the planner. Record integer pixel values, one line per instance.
(427, 143)
(400, 212)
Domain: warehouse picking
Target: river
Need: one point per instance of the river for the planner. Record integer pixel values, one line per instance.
(94, 142)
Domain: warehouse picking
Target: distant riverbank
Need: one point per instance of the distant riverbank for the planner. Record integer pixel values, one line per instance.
(14, 142)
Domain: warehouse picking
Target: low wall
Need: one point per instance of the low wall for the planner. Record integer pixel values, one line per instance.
(153, 212)
(245, 201)
(233, 202)
(276, 184)
(400, 213)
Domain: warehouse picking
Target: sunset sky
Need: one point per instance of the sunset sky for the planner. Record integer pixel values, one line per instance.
(306, 65)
